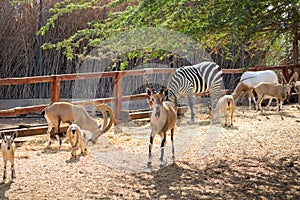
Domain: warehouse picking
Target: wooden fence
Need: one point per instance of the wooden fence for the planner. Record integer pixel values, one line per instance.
(117, 76)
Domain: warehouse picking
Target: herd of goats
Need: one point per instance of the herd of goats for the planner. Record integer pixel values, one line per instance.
(187, 81)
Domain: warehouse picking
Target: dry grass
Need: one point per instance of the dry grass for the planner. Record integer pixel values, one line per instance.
(257, 158)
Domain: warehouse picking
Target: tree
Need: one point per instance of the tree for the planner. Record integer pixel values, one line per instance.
(233, 30)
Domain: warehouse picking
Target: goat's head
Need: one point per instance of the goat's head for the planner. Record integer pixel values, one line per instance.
(156, 97)
(8, 140)
(287, 90)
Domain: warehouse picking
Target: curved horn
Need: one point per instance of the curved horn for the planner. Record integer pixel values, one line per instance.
(106, 124)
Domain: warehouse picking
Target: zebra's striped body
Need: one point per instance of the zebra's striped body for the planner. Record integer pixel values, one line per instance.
(205, 77)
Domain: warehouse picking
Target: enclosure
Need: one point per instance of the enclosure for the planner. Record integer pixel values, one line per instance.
(257, 158)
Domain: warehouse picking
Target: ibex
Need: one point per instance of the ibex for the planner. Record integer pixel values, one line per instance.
(8, 152)
(163, 119)
(67, 112)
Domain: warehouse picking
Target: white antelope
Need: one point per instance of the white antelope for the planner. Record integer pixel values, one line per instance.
(8, 153)
(250, 79)
(76, 138)
(163, 119)
(67, 112)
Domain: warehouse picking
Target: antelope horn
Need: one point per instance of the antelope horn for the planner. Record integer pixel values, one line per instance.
(294, 77)
(280, 75)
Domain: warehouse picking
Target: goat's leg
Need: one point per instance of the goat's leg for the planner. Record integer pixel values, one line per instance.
(270, 101)
(57, 133)
(73, 153)
(50, 126)
(82, 147)
(251, 97)
(150, 149)
(231, 116)
(162, 149)
(4, 172)
(172, 140)
(279, 105)
(258, 103)
(226, 117)
(13, 173)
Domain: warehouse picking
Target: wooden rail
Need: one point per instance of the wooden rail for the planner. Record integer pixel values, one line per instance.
(55, 81)
(117, 76)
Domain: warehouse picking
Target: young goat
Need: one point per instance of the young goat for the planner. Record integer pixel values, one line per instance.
(8, 152)
(76, 136)
(67, 112)
(225, 106)
(272, 90)
(163, 119)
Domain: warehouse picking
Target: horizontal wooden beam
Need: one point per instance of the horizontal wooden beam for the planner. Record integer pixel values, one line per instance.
(32, 130)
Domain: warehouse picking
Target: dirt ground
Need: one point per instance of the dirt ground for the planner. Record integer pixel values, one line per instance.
(257, 158)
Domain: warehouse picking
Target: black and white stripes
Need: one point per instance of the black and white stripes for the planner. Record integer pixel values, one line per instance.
(205, 77)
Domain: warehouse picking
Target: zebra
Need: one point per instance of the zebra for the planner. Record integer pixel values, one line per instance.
(204, 77)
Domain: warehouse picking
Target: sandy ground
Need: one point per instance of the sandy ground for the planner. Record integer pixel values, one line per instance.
(257, 158)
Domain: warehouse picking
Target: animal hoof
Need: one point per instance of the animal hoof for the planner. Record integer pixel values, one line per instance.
(149, 164)
(93, 141)
(173, 158)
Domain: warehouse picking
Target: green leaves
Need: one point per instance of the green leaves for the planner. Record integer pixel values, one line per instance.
(219, 25)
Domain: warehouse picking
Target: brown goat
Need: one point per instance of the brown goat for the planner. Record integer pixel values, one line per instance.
(8, 153)
(67, 112)
(273, 90)
(163, 119)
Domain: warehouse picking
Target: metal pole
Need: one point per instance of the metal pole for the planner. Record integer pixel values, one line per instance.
(40, 48)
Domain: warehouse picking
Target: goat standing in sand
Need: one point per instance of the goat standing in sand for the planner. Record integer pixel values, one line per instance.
(76, 136)
(272, 90)
(8, 152)
(67, 112)
(163, 119)
(225, 106)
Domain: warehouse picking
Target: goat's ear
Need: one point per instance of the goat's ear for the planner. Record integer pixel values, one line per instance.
(166, 92)
(15, 135)
(292, 84)
(148, 91)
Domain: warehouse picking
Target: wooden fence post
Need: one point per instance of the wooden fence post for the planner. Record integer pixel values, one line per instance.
(55, 89)
(118, 94)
